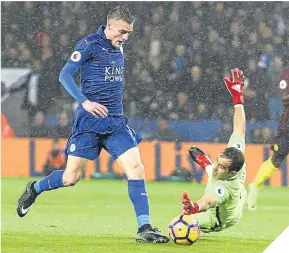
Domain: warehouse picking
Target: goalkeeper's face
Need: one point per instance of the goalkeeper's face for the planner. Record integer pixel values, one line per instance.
(118, 31)
(221, 168)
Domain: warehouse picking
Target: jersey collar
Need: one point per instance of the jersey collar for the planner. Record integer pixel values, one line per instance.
(232, 178)
(106, 41)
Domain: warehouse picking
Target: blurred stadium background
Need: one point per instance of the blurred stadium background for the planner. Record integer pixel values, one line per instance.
(173, 91)
(175, 61)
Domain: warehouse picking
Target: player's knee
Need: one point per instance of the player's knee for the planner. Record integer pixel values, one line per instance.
(71, 178)
(137, 172)
(277, 158)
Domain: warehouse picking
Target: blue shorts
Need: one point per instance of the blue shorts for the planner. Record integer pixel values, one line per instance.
(89, 135)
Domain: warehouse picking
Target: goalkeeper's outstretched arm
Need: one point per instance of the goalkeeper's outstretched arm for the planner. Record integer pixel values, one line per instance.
(204, 204)
(239, 120)
(236, 88)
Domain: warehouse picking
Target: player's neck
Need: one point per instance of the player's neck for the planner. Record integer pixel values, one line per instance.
(106, 32)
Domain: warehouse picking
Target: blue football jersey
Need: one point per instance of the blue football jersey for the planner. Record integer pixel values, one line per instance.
(101, 70)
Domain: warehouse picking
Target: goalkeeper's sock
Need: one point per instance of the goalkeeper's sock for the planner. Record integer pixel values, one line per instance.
(264, 173)
(51, 182)
(139, 198)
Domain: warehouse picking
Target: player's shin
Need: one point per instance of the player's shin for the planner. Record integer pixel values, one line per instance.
(265, 172)
(51, 182)
(139, 198)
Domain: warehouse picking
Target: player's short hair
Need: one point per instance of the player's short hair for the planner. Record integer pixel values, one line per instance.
(121, 12)
(236, 157)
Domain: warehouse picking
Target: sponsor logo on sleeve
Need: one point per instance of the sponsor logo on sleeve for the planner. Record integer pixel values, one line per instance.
(220, 191)
(237, 146)
(283, 84)
(76, 56)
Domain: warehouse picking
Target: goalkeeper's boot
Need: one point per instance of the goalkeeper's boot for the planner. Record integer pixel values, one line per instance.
(252, 197)
(200, 157)
(147, 234)
(27, 199)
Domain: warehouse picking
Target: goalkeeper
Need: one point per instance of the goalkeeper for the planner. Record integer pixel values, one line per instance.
(225, 196)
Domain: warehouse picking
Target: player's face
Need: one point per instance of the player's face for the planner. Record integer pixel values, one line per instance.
(221, 168)
(119, 31)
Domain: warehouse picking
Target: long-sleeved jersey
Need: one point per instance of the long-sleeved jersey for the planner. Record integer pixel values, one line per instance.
(101, 72)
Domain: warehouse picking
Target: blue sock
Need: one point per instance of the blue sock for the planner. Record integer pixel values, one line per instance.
(51, 182)
(139, 198)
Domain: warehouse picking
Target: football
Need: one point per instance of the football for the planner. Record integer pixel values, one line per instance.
(184, 230)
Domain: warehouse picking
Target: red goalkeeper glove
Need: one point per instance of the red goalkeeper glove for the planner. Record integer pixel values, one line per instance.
(200, 157)
(236, 86)
(189, 207)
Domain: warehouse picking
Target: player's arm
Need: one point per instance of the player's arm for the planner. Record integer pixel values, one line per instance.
(202, 205)
(78, 57)
(285, 100)
(284, 89)
(217, 194)
(82, 52)
(67, 80)
(239, 120)
(236, 88)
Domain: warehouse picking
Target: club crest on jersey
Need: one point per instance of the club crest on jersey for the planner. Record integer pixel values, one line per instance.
(76, 56)
(72, 147)
(283, 84)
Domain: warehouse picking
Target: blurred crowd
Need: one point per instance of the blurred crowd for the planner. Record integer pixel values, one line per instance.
(175, 58)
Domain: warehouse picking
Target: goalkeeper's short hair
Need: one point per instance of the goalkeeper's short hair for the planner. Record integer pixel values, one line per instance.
(236, 157)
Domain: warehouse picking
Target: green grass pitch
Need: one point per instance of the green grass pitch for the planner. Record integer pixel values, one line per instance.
(97, 216)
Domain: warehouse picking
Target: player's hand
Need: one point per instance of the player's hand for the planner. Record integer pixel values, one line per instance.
(189, 207)
(200, 157)
(95, 109)
(236, 86)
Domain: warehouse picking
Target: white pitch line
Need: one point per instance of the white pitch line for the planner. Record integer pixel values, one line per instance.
(272, 208)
